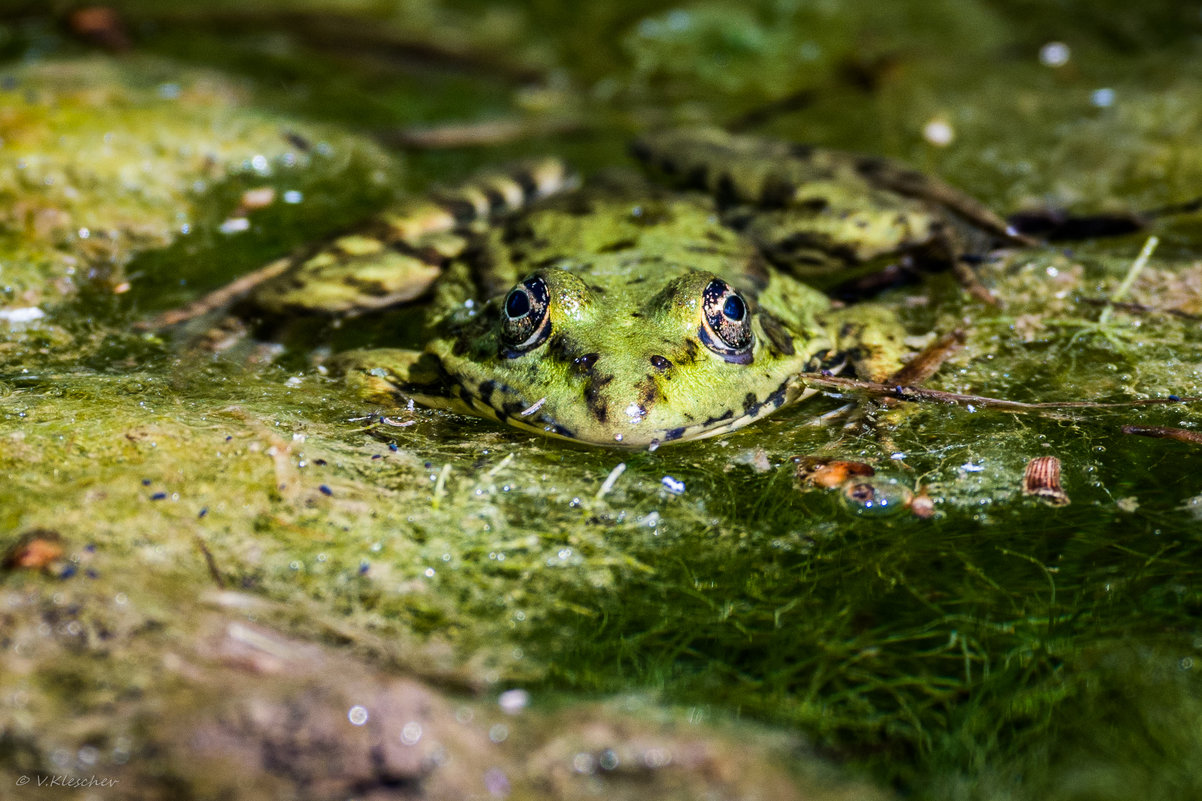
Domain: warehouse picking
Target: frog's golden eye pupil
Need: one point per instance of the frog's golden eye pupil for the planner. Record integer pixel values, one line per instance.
(525, 323)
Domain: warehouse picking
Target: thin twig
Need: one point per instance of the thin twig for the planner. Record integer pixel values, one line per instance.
(979, 401)
(211, 562)
(1161, 432)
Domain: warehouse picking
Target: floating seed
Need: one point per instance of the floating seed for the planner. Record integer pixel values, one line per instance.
(922, 505)
(829, 474)
(1042, 480)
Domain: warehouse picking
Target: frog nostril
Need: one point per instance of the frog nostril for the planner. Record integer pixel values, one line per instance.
(659, 362)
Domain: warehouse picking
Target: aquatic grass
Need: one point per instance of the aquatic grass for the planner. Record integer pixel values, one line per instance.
(884, 636)
(891, 694)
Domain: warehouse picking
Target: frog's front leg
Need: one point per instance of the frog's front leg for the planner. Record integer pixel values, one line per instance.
(393, 377)
(871, 338)
(389, 260)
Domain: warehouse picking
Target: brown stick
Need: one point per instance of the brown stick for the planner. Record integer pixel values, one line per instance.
(218, 298)
(960, 399)
(1179, 434)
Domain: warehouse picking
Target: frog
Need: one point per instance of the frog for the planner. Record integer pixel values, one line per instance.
(633, 312)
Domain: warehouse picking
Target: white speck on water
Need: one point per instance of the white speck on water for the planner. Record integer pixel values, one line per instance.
(673, 485)
(938, 132)
(234, 225)
(1102, 98)
(656, 758)
(513, 701)
(411, 733)
(357, 715)
(25, 314)
(1055, 54)
(650, 520)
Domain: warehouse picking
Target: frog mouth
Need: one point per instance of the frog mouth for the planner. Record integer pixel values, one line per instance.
(486, 401)
(536, 418)
(792, 390)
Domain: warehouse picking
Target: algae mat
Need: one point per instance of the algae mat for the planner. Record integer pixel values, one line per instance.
(231, 578)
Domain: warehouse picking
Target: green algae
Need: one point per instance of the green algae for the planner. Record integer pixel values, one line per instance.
(1002, 649)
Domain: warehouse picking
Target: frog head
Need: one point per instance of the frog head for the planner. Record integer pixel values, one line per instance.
(631, 358)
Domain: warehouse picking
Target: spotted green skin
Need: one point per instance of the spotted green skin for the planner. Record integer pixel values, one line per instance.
(624, 364)
(625, 264)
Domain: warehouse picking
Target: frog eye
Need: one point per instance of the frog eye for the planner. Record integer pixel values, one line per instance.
(726, 329)
(524, 320)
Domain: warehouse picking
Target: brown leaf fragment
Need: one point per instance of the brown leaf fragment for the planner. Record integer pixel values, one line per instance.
(37, 549)
(927, 363)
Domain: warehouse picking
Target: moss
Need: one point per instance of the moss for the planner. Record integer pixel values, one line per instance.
(105, 161)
